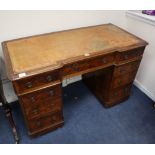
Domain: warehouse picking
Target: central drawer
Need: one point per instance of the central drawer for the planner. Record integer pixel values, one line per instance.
(90, 63)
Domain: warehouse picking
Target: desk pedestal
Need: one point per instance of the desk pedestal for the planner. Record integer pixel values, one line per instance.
(112, 85)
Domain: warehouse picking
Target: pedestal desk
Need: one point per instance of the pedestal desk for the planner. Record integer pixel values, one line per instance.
(106, 56)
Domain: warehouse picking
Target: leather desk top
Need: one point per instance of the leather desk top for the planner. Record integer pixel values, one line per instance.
(55, 49)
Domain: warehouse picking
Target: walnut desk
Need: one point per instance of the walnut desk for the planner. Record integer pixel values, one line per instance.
(105, 55)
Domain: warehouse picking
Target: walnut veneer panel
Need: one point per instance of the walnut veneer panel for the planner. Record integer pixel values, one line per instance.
(27, 54)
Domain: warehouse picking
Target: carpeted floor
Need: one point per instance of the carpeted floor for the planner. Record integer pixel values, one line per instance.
(87, 121)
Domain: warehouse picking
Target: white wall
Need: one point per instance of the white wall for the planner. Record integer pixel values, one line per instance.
(145, 78)
(15, 24)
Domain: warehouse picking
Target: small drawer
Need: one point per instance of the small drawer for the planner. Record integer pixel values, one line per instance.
(43, 108)
(37, 97)
(123, 80)
(36, 81)
(129, 54)
(126, 68)
(88, 64)
(45, 122)
(120, 93)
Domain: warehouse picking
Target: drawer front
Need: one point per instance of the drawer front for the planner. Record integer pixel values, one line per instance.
(41, 102)
(88, 64)
(120, 93)
(43, 108)
(123, 80)
(126, 68)
(39, 96)
(36, 81)
(130, 54)
(45, 122)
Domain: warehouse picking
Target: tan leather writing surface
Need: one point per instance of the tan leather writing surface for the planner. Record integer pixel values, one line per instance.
(40, 51)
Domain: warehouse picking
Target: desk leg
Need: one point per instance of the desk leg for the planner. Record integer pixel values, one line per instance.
(8, 113)
(11, 121)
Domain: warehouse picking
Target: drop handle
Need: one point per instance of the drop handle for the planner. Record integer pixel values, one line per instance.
(35, 111)
(29, 84)
(75, 67)
(33, 99)
(49, 78)
(122, 70)
(104, 60)
(52, 104)
(126, 57)
(51, 92)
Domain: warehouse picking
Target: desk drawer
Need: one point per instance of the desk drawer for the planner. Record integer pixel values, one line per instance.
(88, 64)
(42, 101)
(123, 80)
(126, 68)
(48, 121)
(43, 108)
(36, 81)
(40, 96)
(120, 93)
(129, 54)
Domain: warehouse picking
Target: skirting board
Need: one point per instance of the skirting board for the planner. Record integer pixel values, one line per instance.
(144, 90)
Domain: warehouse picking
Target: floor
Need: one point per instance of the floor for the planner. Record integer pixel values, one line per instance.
(87, 121)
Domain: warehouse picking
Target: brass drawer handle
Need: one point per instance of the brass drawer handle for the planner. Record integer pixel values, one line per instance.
(29, 84)
(49, 78)
(35, 111)
(122, 70)
(52, 104)
(75, 67)
(51, 92)
(126, 56)
(104, 60)
(33, 99)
